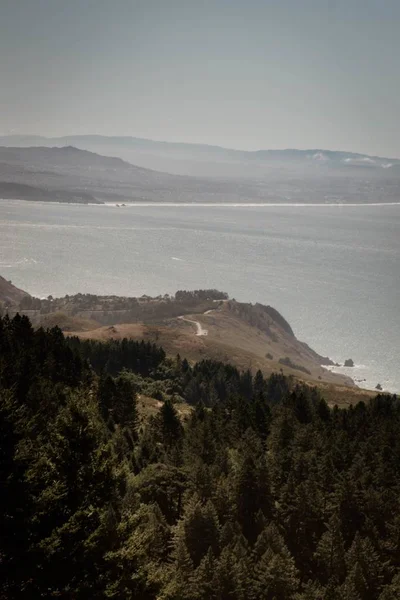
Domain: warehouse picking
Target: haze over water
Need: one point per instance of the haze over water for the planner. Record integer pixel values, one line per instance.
(332, 271)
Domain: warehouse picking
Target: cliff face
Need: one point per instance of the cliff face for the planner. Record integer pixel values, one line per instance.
(9, 294)
(259, 337)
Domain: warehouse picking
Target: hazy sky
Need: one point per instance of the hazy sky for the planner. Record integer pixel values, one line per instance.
(238, 73)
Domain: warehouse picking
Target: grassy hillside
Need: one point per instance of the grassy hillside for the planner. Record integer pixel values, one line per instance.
(249, 337)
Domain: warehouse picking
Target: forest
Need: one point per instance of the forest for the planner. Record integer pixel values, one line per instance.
(262, 491)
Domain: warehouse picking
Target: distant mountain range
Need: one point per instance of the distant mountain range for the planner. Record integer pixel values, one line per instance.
(203, 160)
(99, 168)
(68, 174)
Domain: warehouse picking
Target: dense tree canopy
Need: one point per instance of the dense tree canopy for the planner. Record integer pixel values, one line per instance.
(261, 492)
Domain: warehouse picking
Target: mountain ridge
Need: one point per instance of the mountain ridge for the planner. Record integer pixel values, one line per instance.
(34, 140)
(182, 173)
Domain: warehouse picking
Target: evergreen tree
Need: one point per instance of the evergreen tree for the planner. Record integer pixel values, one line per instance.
(202, 581)
(72, 488)
(330, 553)
(392, 590)
(369, 567)
(170, 425)
(138, 561)
(252, 490)
(275, 571)
(355, 587)
(199, 529)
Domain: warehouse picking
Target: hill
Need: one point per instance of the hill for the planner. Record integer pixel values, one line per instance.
(145, 170)
(206, 160)
(197, 325)
(9, 294)
(244, 335)
(70, 174)
(137, 150)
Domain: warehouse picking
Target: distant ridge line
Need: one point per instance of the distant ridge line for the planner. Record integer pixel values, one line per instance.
(66, 139)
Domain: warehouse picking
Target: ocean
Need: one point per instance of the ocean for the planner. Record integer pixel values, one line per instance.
(332, 271)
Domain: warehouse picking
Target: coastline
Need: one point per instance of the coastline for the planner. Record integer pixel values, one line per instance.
(335, 333)
(363, 377)
(157, 203)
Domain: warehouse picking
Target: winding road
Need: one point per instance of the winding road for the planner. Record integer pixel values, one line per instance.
(200, 329)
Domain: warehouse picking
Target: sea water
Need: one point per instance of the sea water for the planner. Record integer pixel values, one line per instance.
(332, 271)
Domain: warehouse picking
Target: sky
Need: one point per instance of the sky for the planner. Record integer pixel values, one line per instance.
(244, 74)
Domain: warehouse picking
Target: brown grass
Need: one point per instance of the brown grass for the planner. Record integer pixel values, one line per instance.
(229, 339)
(344, 396)
(232, 340)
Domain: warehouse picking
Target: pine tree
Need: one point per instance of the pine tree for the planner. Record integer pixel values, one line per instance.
(170, 425)
(199, 529)
(252, 490)
(72, 486)
(276, 577)
(179, 577)
(312, 591)
(280, 443)
(355, 587)
(124, 409)
(202, 580)
(391, 591)
(364, 555)
(15, 505)
(243, 570)
(348, 499)
(138, 562)
(223, 576)
(270, 538)
(330, 553)
(275, 570)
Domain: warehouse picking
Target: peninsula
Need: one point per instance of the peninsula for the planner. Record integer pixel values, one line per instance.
(194, 324)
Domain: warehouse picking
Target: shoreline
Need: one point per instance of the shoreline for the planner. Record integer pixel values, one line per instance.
(362, 380)
(157, 203)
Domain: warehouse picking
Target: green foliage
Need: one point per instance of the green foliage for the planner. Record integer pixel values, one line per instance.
(330, 553)
(263, 492)
(115, 355)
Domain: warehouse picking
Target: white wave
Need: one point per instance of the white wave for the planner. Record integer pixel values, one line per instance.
(360, 160)
(340, 367)
(364, 376)
(176, 258)
(319, 156)
(248, 204)
(17, 263)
